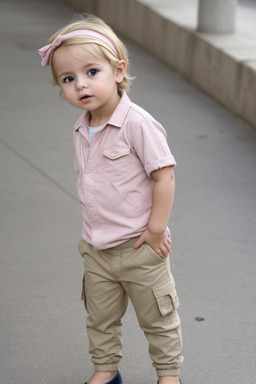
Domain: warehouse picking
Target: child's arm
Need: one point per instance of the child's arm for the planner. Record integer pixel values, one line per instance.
(162, 200)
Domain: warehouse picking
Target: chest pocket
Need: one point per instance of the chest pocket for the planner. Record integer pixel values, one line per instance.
(116, 164)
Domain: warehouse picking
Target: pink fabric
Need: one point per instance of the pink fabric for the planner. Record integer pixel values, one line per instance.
(45, 52)
(114, 183)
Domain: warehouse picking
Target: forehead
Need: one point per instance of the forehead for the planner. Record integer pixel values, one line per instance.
(77, 54)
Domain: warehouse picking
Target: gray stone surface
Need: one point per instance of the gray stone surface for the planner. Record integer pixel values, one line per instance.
(213, 221)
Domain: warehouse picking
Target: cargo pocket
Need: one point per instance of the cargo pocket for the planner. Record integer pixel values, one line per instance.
(83, 295)
(166, 297)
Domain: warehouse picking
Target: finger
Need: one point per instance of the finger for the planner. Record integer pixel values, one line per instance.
(168, 247)
(161, 254)
(139, 242)
(164, 251)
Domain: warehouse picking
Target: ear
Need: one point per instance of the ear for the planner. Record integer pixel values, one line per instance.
(120, 71)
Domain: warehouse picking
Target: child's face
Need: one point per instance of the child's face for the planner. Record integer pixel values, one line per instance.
(87, 81)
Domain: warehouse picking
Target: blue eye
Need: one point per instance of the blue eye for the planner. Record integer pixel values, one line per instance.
(93, 72)
(68, 79)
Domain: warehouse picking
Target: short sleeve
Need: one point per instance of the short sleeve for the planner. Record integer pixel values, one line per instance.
(150, 144)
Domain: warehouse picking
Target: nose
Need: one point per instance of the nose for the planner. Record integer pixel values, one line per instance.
(81, 83)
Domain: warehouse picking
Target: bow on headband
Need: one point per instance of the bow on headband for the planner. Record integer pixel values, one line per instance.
(46, 51)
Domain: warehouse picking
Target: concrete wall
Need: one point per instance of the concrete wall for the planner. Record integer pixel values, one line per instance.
(214, 63)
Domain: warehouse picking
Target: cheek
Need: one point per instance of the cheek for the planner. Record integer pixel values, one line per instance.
(66, 91)
(67, 94)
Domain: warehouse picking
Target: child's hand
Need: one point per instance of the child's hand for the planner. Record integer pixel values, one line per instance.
(160, 243)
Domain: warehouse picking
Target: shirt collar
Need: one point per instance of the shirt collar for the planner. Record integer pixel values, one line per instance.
(120, 112)
(115, 120)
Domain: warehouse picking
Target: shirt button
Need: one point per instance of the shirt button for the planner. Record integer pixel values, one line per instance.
(86, 170)
(113, 154)
(86, 144)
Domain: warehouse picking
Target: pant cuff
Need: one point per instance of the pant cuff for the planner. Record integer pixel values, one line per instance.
(167, 372)
(106, 367)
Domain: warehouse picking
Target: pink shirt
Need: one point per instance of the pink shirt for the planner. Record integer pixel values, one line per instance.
(114, 183)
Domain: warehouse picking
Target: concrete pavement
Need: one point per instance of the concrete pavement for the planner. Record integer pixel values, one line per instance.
(213, 221)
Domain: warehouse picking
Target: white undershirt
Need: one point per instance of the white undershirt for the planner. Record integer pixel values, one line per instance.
(93, 130)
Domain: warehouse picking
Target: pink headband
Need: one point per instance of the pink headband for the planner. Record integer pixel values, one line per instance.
(46, 51)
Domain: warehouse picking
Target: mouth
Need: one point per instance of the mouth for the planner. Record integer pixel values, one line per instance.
(85, 98)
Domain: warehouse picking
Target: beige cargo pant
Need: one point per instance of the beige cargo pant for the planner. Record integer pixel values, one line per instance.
(113, 275)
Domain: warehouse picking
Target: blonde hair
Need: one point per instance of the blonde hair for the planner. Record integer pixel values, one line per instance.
(95, 24)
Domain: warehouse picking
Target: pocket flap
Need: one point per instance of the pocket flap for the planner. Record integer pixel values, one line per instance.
(166, 297)
(116, 152)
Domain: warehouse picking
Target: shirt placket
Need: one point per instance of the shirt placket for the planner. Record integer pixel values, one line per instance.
(90, 190)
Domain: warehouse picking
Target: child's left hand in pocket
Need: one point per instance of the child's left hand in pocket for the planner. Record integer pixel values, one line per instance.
(160, 243)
